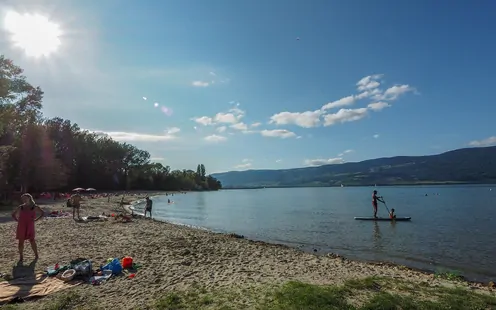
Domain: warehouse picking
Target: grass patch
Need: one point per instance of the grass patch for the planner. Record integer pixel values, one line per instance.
(296, 295)
(451, 275)
(371, 293)
(60, 301)
(359, 294)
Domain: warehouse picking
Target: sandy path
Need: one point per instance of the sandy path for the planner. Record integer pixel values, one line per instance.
(177, 257)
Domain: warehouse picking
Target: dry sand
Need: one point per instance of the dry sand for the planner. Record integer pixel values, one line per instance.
(178, 257)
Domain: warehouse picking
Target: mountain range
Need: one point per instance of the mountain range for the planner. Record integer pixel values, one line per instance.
(461, 166)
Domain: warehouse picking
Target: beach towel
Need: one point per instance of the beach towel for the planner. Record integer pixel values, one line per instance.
(39, 286)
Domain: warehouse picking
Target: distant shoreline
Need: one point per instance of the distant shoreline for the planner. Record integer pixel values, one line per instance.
(362, 185)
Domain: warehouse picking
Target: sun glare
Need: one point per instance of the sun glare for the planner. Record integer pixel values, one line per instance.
(33, 33)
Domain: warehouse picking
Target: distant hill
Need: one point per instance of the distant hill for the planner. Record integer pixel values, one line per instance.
(469, 165)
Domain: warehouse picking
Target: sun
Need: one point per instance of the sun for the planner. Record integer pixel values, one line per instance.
(33, 33)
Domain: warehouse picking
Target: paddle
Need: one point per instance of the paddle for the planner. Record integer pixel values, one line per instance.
(384, 202)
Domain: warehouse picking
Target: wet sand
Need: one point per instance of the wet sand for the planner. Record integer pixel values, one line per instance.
(179, 258)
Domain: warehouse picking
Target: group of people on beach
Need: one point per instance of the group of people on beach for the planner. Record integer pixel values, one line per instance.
(29, 212)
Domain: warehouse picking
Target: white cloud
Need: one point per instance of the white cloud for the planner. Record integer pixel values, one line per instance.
(204, 120)
(278, 133)
(377, 106)
(133, 136)
(200, 84)
(215, 138)
(227, 118)
(394, 92)
(212, 73)
(243, 166)
(233, 116)
(376, 136)
(345, 152)
(343, 102)
(306, 119)
(485, 142)
(221, 129)
(345, 115)
(172, 130)
(239, 126)
(369, 82)
(237, 111)
(254, 125)
(374, 93)
(278, 161)
(367, 87)
(320, 161)
(245, 163)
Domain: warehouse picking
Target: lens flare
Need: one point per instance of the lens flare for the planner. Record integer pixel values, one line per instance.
(167, 111)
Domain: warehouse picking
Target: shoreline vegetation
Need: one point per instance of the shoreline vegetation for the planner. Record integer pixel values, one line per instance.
(187, 268)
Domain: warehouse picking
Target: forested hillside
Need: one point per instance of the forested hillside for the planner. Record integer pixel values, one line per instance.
(469, 165)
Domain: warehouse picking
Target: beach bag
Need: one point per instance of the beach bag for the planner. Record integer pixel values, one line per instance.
(83, 268)
(114, 266)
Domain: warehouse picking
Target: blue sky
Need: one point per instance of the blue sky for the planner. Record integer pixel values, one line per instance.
(375, 78)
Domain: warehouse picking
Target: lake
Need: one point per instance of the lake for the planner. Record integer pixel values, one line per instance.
(453, 228)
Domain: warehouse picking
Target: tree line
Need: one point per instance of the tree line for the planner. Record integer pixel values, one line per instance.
(38, 154)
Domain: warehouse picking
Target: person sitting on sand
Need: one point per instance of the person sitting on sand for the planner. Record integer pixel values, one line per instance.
(25, 216)
(392, 215)
(148, 207)
(76, 205)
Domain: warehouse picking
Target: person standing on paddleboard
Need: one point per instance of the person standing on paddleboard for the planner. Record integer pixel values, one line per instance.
(376, 198)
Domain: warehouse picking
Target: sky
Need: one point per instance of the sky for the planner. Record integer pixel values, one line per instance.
(260, 84)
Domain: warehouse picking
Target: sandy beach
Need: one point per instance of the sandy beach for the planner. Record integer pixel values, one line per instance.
(179, 258)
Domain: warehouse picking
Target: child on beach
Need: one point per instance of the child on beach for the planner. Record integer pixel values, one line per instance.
(25, 216)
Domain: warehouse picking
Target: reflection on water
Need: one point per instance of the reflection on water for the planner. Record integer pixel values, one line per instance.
(443, 231)
(200, 199)
(377, 237)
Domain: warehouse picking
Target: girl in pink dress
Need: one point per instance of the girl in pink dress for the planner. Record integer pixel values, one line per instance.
(25, 215)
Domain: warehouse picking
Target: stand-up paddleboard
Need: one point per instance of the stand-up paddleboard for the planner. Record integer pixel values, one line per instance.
(371, 218)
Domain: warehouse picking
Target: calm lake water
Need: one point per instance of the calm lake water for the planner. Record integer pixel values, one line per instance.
(453, 228)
